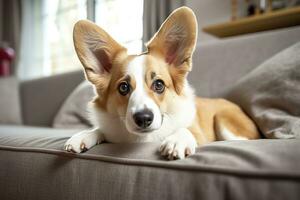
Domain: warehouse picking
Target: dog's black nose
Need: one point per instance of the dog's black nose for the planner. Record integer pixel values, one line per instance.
(143, 118)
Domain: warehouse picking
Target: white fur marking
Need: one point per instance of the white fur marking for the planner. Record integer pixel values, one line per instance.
(83, 140)
(228, 135)
(139, 99)
(178, 145)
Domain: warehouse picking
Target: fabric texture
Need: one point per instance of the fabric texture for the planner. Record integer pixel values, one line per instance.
(33, 159)
(270, 94)
(155, 13)
(74, 111)
(10, 111)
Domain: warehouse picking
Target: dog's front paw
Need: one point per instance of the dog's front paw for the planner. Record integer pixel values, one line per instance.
(83, 141)
(75, 144)
(179, 145)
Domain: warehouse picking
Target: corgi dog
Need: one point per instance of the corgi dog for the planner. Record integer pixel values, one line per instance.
(147, 98)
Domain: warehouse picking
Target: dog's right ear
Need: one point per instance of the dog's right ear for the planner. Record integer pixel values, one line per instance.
(96, 50)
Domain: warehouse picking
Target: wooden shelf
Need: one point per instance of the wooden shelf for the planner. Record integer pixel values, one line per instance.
(267, 21)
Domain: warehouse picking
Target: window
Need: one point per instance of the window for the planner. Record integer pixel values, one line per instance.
(46, 40)
(60, 16)
(123, 20)
(47, 25)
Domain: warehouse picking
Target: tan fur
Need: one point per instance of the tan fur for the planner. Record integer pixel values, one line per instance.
(212, 114)
(109, 95)
(160, 68)
(93, 44)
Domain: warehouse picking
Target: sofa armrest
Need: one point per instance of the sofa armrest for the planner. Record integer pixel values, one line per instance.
(41, 98)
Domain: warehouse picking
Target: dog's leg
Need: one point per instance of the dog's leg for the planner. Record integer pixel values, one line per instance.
(84, 140)
(178, 145)
(233, 124)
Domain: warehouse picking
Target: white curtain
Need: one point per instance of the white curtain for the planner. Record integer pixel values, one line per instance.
(32, 50)
(47, 38)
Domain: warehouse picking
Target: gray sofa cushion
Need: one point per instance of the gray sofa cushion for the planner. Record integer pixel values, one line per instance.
(270, 94)
(41, 98)
(33, 137)
(74, 112)
(10, 110)
(218, 65)
(33, 166)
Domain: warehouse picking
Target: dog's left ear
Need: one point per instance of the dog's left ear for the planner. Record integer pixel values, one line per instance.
(176, 38)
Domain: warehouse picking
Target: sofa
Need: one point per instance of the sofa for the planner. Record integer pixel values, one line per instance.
(33, 164)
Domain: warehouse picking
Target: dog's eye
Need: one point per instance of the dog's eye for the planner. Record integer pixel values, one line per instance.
(158, 86)
(124, 88)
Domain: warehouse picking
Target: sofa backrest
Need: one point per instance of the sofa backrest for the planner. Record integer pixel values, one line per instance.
(218, 65)
(41, 98)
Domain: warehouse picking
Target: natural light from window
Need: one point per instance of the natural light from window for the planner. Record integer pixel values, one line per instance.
(61, 15)
(48, 27)
(123, 20)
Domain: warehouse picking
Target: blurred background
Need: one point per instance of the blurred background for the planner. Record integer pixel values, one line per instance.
(36, 35)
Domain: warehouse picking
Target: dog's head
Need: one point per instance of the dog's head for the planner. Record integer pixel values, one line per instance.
(139, 89)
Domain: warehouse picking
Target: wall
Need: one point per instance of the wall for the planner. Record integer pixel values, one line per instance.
(210, 12)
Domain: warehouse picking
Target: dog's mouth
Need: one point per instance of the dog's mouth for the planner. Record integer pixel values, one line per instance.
(141, 130)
